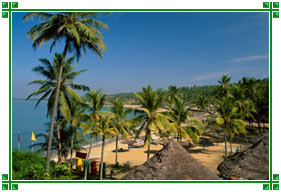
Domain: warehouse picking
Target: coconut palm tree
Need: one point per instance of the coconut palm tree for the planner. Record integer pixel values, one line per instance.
(93, 102)
(202, 102)
(79, 31)
(105, 129)
(245, 107)
(179, 113)
(49, 86)
(120, 115)
(224, 89)
(172, 92)
(150, 118)
(73, 114)
(228, 119)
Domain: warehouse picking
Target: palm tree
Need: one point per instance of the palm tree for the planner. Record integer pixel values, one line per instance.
(120, 115)
(228, 119)
(93, 102)
(172, 92)
(150, 117)
(224, 89)
(245, 107)
(202, 103)
(104, 128)
(79, 31)
(74, 116)
(49, 86)
(184, 128)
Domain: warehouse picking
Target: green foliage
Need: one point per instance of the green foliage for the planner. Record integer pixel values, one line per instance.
(150, 118)
(50, 71)
(28, 165)
(61, 170)
(78, 30)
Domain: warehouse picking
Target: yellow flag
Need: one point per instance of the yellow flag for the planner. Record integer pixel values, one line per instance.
(33, 138)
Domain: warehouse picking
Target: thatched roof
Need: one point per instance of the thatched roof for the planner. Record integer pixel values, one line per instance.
(253, 163)
(172, 162)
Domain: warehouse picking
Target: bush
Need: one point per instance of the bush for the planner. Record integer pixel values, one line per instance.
(28, 166)
(61, 170)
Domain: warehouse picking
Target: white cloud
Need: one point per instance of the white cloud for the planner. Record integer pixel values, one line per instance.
(231, 71)
(248, 58)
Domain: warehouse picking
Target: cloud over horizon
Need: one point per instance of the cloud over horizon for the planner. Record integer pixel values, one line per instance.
(248, 58)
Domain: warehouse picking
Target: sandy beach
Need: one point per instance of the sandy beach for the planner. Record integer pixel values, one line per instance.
(210, 157)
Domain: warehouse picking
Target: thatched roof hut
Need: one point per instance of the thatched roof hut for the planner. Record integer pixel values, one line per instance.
(253, 163)
(172, 162)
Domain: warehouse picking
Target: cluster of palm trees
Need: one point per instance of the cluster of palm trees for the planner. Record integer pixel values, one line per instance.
(237, 103)
(79, 31)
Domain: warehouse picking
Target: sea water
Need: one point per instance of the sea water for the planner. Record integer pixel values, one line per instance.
(26, 118)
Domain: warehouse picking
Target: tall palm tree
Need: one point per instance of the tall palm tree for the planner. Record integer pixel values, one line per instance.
(78, 30)
(119, 119)
(105, 129)
(228, 119)
(74, 116)
(245, 107)
(93, 102)
(49, 86)
(150, 117)
(184, 128)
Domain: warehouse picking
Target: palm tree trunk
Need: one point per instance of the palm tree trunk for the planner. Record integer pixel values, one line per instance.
(59, 138)
(88, 156)
(225, 144)
(102, 151)
(148, 151)
(53, 120)
(55, 109)
(116, 151)
(71, 151)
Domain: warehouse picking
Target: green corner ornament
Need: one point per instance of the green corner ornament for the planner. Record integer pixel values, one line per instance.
(265, 4)
(275, 4)
(5, 187)
(265, 186)
(275, 186)
(275, 14)
(275, 176)
(5, 5)
(5, 14)
(4, 176)
(15, 4)
(15, 187)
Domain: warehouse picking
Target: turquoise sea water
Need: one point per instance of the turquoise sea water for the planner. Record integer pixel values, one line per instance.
(25, 119)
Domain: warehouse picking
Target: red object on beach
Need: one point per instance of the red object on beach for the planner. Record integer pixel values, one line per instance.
(94, 169)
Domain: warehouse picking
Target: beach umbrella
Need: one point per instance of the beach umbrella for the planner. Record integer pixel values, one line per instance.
(252, 164)
(172, 162)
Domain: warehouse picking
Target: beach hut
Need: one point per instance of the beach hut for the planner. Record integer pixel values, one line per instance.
(250, 164)
(172, 162)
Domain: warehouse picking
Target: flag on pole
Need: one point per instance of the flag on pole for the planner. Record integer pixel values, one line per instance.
(18, 136)
(33, 138)
(18, 140)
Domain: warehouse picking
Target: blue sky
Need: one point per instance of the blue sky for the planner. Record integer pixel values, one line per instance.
(160, 49)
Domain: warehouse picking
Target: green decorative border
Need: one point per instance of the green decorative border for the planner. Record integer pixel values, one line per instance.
(9, 7)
